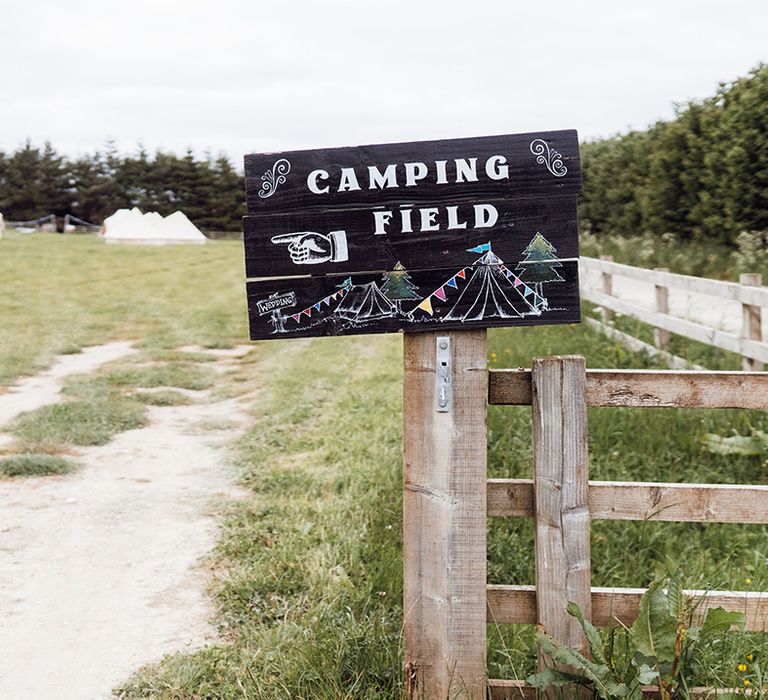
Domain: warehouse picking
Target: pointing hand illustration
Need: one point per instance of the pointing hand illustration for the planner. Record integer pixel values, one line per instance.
(311, 248)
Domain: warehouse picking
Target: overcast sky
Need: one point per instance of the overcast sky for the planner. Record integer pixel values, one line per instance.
(240, 76)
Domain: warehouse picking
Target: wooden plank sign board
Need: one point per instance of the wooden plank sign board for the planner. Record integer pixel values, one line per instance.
(452, 234)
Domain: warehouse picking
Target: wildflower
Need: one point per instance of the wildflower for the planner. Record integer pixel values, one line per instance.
(749, 657)
(493, 355)
(742, 667)
(747, 682)
(747, 581)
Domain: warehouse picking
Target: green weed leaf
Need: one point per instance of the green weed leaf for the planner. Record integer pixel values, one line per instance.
(591, 633)
(748, 446)
(553, 678)
(720, 620)
(655, 630)
(606, 685)
(646, 675)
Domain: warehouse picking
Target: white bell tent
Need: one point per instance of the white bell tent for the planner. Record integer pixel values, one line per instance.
(131, 226)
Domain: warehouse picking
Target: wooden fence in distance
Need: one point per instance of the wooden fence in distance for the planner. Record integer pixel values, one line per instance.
(748, 292)
(447, 601)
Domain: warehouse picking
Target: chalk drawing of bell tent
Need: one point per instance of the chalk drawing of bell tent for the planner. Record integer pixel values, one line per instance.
(365, 302)
(486, 294)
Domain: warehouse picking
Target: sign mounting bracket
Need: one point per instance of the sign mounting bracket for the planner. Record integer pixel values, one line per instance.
(443, 374)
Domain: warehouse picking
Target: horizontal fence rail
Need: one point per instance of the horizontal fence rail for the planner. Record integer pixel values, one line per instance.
(651, 501)
(516, 605)
(645, 388)
(517, 690)
(749, 293)
(690, 329)
(754, 296)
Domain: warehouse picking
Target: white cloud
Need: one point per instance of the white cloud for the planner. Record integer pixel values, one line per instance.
(240, 76)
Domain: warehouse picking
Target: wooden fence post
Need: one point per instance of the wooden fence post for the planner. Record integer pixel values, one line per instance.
(752, 322)
(605, 312)
(444, 519)
(561, 494)
(660, 336)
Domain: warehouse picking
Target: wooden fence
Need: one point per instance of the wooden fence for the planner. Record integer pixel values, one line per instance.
(448, 498)
(748, 292)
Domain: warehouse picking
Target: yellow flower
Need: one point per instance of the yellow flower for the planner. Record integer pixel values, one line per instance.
(749, 657)
(746, 682)
(747, 581)
(742, 667)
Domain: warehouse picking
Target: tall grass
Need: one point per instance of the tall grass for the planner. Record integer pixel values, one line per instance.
(700, 258)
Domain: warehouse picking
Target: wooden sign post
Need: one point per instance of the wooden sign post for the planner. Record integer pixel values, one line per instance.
(442, 240)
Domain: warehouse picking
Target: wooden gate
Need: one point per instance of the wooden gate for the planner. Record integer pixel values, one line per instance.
(448, 497)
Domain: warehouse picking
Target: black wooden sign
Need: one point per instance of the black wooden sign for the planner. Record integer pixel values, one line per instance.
(461, 233)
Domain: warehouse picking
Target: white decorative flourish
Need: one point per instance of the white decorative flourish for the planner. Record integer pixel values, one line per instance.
(549, 157)
(271, 179)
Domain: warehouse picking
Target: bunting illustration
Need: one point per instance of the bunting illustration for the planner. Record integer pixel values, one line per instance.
(486, 288)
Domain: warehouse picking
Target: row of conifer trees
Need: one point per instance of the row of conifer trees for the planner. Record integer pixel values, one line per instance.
(702, 175)
(35, 182)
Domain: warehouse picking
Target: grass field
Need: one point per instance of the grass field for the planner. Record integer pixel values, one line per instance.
(308, 570)
(60, 293)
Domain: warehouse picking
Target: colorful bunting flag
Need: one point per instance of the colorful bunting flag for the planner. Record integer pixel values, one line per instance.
(426, 305)
(484, 248)
(440, 294)
(452, 283)
(308, 312)
(317, 306)
(518, 281)
(461, 274)
(296, 317)
(528, 291)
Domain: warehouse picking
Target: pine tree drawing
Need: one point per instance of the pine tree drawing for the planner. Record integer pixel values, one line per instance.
(540, 263)
(398, 286)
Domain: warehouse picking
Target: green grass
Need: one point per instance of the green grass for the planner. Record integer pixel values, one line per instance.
(104, 404)
(176, 374)
(61, 293)
(79, 422)
(35, 465)
(178, 356)
(167, 397)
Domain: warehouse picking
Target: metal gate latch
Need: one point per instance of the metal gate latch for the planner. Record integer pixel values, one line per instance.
(443, 374)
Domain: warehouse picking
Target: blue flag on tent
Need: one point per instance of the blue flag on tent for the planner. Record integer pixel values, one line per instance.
(484, 248)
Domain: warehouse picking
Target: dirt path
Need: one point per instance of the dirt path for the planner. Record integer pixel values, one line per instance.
(99, 571)
(44, 388)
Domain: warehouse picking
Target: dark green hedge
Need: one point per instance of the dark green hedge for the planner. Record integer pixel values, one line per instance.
(702, 175)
